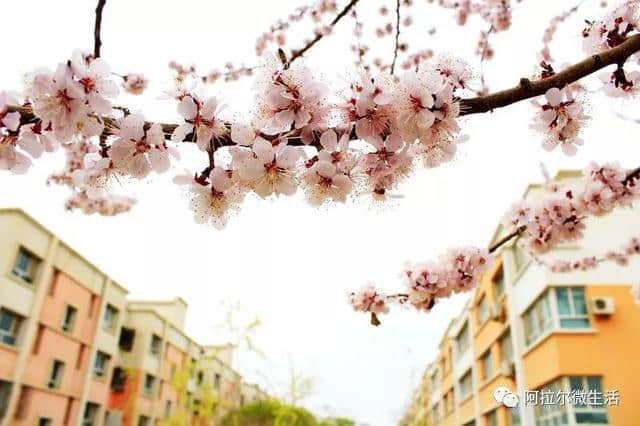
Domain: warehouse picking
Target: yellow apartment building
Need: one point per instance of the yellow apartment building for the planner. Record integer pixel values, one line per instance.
(75, 351)
(566, 344)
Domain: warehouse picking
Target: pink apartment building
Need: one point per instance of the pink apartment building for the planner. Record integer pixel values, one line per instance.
(75, 351)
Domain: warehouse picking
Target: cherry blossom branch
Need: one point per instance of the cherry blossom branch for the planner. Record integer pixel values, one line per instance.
(531, 88)
(98, 26)
(397, 41)
(525, 90)
(543, 225)
(298, 53)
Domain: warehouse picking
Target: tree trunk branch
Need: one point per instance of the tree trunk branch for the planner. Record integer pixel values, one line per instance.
(97, 42)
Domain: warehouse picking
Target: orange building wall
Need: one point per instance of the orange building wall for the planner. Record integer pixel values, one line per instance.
(612, 352)
(7, 366)
(44, 403)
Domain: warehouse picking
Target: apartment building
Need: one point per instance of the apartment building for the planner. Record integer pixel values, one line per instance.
(539, 333)
(75, 351)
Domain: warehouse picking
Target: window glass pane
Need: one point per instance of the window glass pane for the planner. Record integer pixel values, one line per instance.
(594, 383)
(575, 323)
(594, 418)
(562, 294)
(23, 261)
(578, 301)
(6, 321)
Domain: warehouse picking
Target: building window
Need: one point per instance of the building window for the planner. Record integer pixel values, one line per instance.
(557, 307)
(483, 310)
(538, 319)
(26, 266)
(5, 393)
(200, 377)
(487, 365)
(110, 319)
(498, 282)
(118, 379)
(156, 345)
(581, 410)
(465, 385)
(216, 381)
(435, 412)
(55, 378)
(144, 421)
(10, 325)
(572, 309)
(514, 417)
(69, 319)
(90, 416)
(462, 341)
(491, 419)
(506, 347)
(589, 412)
(101, 364)
(149, 384)
(471, 423)
(167, 409)
(127, 338)
(435, 383)
(45, 421)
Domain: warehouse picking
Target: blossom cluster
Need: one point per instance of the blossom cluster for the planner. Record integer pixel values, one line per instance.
(620, 257)
(561, 217)
(560, 120)
(458, 270)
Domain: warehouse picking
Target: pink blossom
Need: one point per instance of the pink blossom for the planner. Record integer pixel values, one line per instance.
(104, 204)
(138, 152)
(134, 84)
(58, 100)
(95, 77)
(268, 169)
(292, 99)
(367, 299)
(10, 120)
(560, 120)
(324, 181)
(212, 198)
(201, 117)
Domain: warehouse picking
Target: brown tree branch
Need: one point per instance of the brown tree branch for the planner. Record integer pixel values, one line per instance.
(97, 42)
(397, 41)
(319, 36)
(532, 88)
(525, 90)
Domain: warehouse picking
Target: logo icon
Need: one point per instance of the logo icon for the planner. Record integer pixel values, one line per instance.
(505, 397)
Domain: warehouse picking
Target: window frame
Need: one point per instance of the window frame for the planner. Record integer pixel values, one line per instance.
(462, 396)
(30, 275)
(459, 349)
(148, 391)
(105, 365)
(550, 294)
(68, 328)
(110, 323)
(15, 327)
(487, 355)
(96, 413)
(56, 375)
(155, 350)
(563, 383)
(482, 310)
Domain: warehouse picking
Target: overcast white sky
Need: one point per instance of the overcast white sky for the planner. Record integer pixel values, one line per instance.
(290, 264)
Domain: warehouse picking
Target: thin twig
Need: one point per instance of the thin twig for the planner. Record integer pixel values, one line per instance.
(97, 42)
(320, 35)
(397, 44)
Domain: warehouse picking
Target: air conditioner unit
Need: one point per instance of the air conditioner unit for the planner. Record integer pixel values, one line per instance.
(602, 305)
(508, 368)
(497, 313)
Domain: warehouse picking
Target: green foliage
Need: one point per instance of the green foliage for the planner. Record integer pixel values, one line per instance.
(269, 413)
(337, 421)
